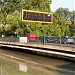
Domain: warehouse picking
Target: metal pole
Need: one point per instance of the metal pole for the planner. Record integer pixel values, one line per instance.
(44, 34)
(44, 41)
(44, 31)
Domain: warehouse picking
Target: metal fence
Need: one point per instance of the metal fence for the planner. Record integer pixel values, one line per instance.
(39, 40)
(9, 39)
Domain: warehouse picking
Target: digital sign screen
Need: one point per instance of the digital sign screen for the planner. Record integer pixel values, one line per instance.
(36, 16)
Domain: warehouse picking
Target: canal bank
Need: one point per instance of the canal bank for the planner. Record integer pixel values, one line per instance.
(62, 47)
(40, 49)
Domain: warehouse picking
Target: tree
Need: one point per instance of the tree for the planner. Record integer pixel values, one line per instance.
(63, 22)
(72, 26)
(40, 5)
(8, 8)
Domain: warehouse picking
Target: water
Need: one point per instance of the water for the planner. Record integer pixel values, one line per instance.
(16, 63)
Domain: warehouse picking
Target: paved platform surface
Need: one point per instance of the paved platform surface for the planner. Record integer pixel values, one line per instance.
(49, 46)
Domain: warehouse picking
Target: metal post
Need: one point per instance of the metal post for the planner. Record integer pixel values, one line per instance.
(18, 26)
(60, 40)
(44, 31)
(44, 41)
(44, 34)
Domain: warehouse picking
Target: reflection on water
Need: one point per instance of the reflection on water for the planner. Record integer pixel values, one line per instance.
(68, 69)
(23, 68)
(33, 65)
(19, 68)
(15, 67)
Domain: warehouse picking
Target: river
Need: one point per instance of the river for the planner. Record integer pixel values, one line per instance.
(19, 63)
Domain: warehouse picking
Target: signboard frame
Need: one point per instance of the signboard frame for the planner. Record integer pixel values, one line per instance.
(37, 12)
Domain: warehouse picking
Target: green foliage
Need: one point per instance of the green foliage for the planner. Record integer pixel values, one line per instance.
(10, 24)
(63, 22)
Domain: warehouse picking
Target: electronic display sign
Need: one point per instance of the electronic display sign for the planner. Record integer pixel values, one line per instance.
(37, 16)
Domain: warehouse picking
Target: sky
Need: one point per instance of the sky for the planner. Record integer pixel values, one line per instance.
(70, 4)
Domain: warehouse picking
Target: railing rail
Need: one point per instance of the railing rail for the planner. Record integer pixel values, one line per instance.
(34, 40)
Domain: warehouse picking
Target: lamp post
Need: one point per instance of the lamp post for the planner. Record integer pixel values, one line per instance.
(44, 31)
(19, 10)
(49, 2)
